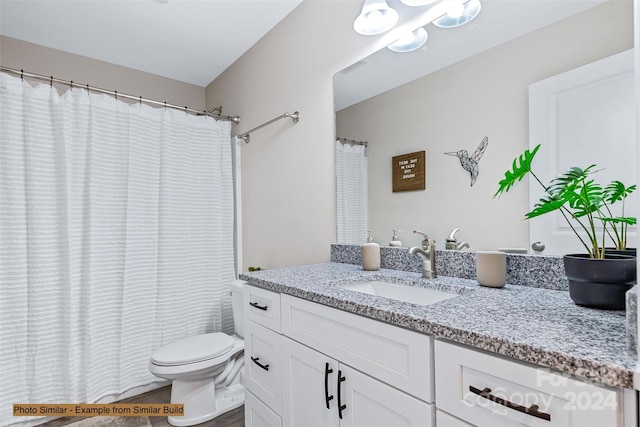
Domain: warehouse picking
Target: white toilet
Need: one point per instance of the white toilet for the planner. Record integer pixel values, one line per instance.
(207, 370)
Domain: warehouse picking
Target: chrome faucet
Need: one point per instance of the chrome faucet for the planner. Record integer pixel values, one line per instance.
(428, 251)
(451, 242)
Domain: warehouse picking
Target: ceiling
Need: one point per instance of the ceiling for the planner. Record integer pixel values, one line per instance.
(192, 41)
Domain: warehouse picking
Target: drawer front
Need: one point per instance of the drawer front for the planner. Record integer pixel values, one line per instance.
(257, 414)
(263, 365)
(394, 355)
(488, 390)
(262, 307)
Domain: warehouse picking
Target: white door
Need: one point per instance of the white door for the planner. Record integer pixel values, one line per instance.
(309, 387)
(582, 117)
(367, 402)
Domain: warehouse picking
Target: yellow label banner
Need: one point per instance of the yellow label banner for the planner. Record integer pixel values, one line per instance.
(98, 410)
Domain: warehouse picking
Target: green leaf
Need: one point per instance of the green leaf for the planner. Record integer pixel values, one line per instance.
(520, 168)
(619, 220)
(617, 191)
(544, 206)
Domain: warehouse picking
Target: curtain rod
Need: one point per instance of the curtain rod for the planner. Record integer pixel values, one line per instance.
(295, 117)
(116, 94)
(352, 142)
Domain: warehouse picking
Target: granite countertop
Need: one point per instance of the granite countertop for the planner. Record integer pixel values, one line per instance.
(536, 325)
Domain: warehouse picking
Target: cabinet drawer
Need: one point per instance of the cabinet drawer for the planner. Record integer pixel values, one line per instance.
(262, 306)
(257, 414)
(394, 355)
(263, 365)
(488, 390)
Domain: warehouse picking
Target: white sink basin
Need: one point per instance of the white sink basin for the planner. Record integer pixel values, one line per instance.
(412, 294)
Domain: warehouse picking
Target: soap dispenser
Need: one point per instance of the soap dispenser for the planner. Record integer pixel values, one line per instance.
(370, 254)
(395, 241)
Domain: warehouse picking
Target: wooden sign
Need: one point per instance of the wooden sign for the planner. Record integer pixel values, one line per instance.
(408, 172)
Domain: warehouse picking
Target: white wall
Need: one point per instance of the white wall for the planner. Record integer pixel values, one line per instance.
(288, 179)
(38, 59)
(453, 109)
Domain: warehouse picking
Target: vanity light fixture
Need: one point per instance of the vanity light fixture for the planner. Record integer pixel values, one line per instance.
(417, 2)
(410, 41)
(458, 13)
(376, 17)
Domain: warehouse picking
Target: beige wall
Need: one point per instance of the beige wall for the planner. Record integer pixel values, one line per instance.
(453, 109)
(288, 178)
(38, 59)
(288, 170)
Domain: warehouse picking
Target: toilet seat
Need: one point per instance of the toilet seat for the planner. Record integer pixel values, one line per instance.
(194, 349)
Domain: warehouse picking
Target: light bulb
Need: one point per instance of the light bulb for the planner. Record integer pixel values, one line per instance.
(458, 13)
(410, 41)
(374, 18)
(455, 10)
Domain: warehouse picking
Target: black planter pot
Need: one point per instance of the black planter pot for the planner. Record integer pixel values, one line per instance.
(614, 251)
(600, 283)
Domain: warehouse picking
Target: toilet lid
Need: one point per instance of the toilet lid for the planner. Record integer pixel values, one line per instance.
(193, 349)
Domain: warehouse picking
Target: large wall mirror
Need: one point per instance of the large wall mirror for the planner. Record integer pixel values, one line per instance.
(466, 84)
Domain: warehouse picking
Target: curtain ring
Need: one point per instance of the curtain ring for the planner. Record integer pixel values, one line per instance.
(141, 101)
(22, 75)
(71, 85)
(185, 111)
(165, 105)
(115, 93)
(88, 89)
(51, 82)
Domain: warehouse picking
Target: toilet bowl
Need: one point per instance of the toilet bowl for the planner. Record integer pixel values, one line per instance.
(206, 370)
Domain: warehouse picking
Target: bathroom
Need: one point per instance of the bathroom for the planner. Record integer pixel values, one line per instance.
(288, 177)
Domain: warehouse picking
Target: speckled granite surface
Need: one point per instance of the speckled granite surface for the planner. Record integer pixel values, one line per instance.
(539, 271)
(540, 326)
(632, 321)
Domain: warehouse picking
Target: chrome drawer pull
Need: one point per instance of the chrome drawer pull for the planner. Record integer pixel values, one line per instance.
(255, 360)
(531, 410)
(258, 306)
(327, 371)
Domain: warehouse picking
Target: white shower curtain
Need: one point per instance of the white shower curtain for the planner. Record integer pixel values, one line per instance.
(352, 193)
(116, 237)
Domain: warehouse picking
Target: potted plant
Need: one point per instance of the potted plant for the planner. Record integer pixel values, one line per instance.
(597, 278)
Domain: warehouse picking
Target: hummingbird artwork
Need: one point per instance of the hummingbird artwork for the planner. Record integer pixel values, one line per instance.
(470, 163)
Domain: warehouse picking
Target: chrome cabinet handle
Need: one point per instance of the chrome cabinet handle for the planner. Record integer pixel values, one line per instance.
(327, 371)
(255, 360)
(486, 393)
(341, 407)
(258, 306)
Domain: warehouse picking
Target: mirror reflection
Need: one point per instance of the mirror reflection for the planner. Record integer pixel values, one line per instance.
(463, 85)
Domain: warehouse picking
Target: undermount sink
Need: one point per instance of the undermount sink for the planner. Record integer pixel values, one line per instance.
(412, 294)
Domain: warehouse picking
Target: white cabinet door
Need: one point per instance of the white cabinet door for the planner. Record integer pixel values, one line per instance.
(582, 117)
(319, 391)
(366, 402)
(309, 387)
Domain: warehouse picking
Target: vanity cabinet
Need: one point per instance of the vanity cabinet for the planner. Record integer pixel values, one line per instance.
(308, 364)
(483, 389)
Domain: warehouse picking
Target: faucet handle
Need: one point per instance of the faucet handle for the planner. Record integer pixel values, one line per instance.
(427, 241)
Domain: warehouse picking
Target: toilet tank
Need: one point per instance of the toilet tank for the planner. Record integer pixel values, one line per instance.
(237, 307)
